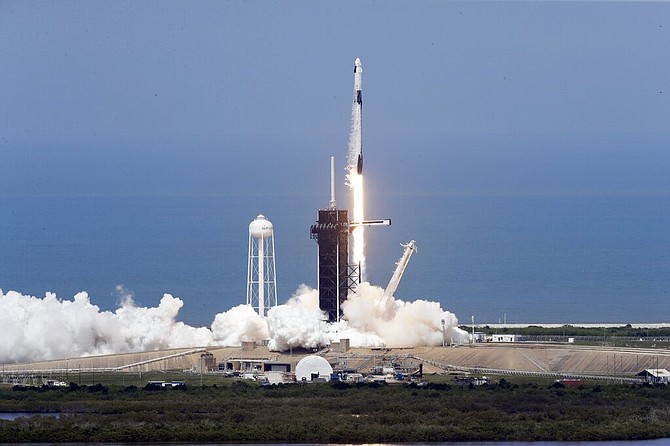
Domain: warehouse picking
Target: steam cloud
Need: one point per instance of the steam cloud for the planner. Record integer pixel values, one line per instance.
(49, 328)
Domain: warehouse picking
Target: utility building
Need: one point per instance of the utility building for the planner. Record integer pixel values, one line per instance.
(655, 376)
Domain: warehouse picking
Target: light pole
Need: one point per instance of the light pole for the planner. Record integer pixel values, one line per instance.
(443, 329)
(473, 331)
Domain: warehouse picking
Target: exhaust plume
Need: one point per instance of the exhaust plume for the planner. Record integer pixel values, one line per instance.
(51, 328)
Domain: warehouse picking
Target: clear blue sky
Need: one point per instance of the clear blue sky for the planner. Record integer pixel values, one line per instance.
(216, 98)
(179, 98)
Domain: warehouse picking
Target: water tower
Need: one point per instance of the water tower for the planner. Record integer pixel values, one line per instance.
(261, 284)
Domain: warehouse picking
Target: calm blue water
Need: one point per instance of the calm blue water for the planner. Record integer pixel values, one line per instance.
(530, 258)
(11, 416)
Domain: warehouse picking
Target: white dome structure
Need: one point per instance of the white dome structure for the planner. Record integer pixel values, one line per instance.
(261, 272)
(311, 367)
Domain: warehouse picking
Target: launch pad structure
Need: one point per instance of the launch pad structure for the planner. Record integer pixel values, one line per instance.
(336, 276)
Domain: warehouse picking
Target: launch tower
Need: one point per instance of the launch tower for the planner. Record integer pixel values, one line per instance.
(335, 276)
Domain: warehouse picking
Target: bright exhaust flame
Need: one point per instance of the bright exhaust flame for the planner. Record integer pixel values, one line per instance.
(358, 234)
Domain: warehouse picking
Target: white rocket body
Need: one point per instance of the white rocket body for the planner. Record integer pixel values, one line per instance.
(358, 102)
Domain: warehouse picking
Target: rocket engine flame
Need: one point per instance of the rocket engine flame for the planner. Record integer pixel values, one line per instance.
(358, 233)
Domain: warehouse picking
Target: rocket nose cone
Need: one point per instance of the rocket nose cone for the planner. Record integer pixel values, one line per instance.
(357, 62)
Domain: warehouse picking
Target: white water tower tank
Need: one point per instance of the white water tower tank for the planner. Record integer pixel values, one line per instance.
(261, 283)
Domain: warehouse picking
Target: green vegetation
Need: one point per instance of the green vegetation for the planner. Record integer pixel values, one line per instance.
(569, 330)
(238, 411)
(124, 379)
(623, 336)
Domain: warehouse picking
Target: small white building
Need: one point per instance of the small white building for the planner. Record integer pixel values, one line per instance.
(503, 338)
(655, 376)
(480, 336)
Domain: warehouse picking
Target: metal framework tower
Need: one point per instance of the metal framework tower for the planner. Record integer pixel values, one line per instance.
(335, 276)
(261, 272)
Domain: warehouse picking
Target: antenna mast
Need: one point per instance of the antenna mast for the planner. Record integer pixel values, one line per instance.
(332, 182)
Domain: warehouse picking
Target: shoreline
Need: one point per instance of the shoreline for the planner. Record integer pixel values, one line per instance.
(577, 324)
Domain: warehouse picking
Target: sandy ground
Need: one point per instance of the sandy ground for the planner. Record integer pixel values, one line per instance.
(548, 358)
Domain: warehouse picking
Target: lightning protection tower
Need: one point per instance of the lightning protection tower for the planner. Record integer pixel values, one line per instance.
(261, 284)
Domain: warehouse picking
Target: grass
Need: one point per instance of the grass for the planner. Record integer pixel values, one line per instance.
(225, 410)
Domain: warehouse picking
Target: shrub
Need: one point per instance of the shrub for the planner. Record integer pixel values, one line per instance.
(341, 385)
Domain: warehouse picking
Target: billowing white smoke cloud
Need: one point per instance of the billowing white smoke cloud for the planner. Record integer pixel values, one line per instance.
(35, 329)
(239, 324)
(298, 323)
(398, 323)
(47, 328)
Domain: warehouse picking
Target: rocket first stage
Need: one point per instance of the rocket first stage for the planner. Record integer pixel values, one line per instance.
(358, 101)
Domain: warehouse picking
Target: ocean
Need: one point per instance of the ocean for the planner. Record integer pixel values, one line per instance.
(513, 258)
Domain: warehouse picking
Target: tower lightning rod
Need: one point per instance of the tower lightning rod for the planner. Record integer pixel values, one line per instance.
(332, 182)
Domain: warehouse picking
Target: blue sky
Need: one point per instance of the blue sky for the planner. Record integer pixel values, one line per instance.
(249, 99)
(186, 98)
